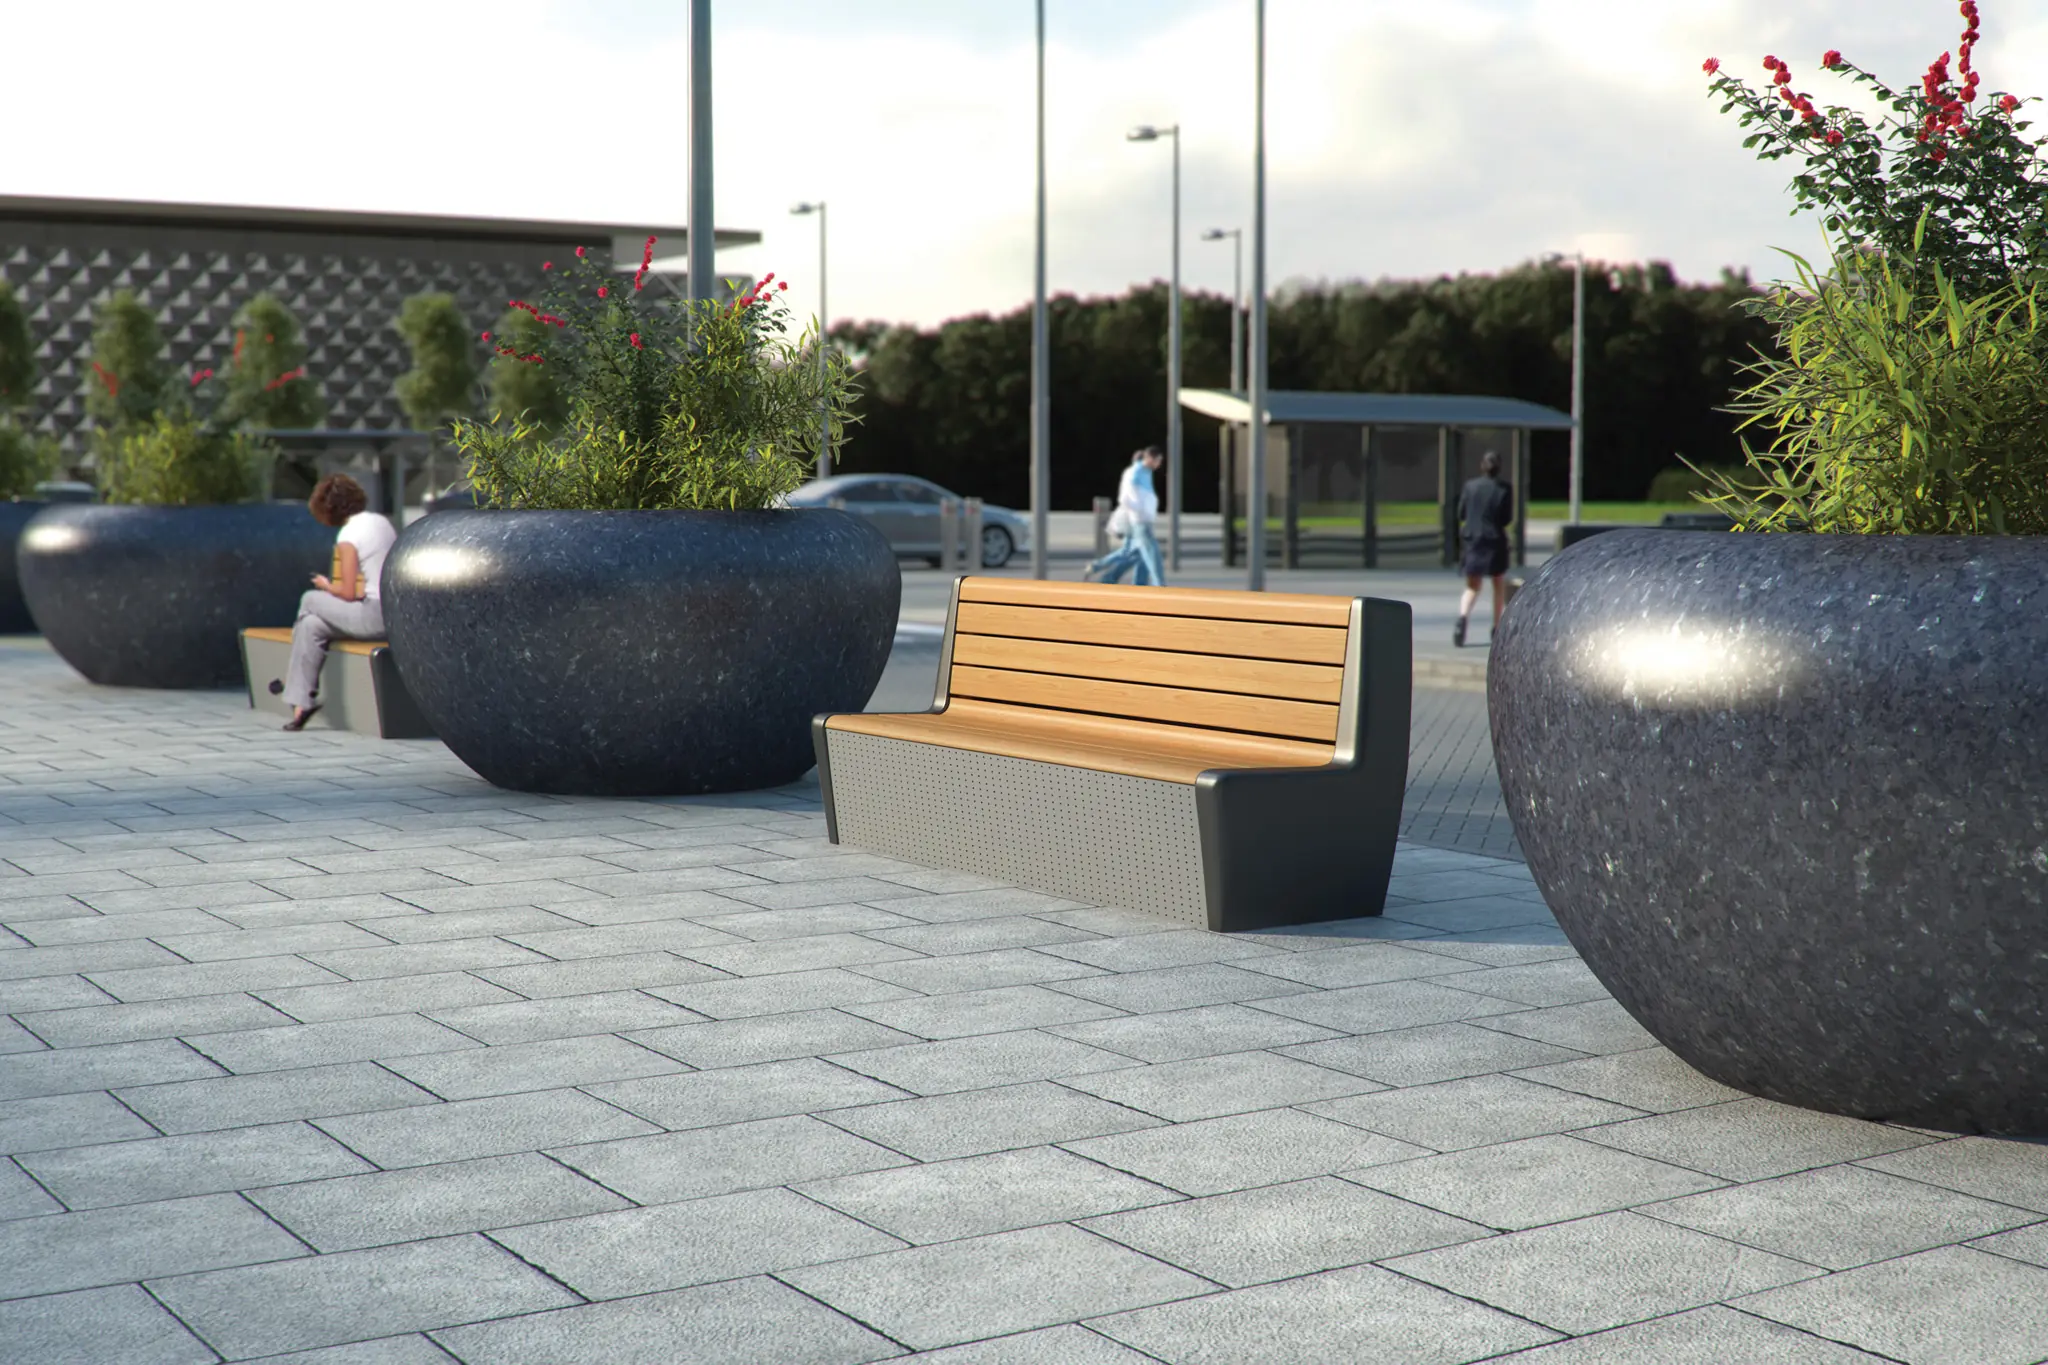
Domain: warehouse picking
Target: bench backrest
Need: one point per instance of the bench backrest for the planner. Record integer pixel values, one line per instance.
(1269, 664)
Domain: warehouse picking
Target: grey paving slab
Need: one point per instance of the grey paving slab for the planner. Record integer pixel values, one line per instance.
(356, 1295)
(984, 1286)
(971, 1197)
(1359, 1314)
(66, 1121)
(22, 1197)
(497, 1126)
(411, 1349)
(228, 943)
(1175, 988)
(2029, 1244)
(1652, 1079)
(417, 959)
(1069, 1345)
(1000, 1010)
(1362, 964)
(1599, 1027)
(545, 1065)
(974, 1122)
(740, 1322)
(1215, 1156)
(769, 1037)
(51, 993)
(1434, 1052)
(2002, 1169)
(46, 933)
(569, 1016)
(781, 956)
(1841, 1216)
(1702, 1336)
(1178, 1035)
(420, 927)
(670, 935)
(954, 907)
(1533, 1181)
(1593, 1273)
(1172, 948)
(673, 1246)
(141, 1171)
(116, 1326)
(210, 978)
(1752, 1139)
(355, 1211)
(975, 971)
(700, 1162)
(112, 1246)
(1386, 1006)
(1276, 1232)
(100, 1067)
(1472, 1112)
(272, 1097)
(750, 996)
(1949, 1306)
(980, 1062)
(393, 995)
(103, 1023)
(1560, 981)
(704, 1099)
(340, 1040)
(1210, 1087)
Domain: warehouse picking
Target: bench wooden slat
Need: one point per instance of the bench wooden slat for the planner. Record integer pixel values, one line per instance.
(1182, 634)
(1183, 706)
(1165, 753)
(282, 635)
(1299, 609)
(1208, 672)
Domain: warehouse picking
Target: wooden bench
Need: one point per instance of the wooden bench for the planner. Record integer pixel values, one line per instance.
(360, 689)
(1233, 760)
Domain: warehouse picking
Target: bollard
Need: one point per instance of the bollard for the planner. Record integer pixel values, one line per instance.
(949, 533)
(1102, 506)
(970, 539)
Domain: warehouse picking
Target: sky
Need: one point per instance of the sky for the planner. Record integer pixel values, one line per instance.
(1404, 139)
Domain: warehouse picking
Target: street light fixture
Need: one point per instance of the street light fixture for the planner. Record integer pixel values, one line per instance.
(824, 323)
(1236, 236)
(1041, 412)
(1148, 133)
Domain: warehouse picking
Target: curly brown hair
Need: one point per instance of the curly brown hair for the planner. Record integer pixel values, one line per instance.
(335, 499)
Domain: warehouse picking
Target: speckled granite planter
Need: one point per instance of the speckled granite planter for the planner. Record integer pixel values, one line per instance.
(14, 617)
(639, 653)
(157, 596)
(1788, 796)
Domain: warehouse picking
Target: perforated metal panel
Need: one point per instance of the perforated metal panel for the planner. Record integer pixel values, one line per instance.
(1099, 837)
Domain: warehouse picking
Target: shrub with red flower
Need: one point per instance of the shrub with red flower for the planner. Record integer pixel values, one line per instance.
(1935, 154)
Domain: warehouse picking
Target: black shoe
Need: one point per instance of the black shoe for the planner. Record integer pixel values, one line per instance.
(298, 722)
(1458, 633)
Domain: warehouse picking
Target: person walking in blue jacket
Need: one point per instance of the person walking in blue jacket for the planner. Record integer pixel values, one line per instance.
(1137, 508)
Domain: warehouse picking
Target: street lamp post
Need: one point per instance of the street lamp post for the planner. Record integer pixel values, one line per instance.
(703, 233)
(1148, 133)
(1236, 236)
(1041, 413)
(1578, 380)
(824, 325)
(1255, 420)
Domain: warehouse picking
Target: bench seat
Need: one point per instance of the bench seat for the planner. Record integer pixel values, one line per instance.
(1234, 760)
(360, 688)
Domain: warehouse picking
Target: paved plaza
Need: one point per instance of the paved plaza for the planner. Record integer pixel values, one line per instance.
(320, 1049)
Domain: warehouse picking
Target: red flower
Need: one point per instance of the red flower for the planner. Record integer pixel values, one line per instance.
(547, 265)
(635, 339)
(113, 385)
(487, 336)
(1711, 65)
(2008, 103)
(783, 285)
(1940, 154)
(200, 377)
(1831, 58)
(603, 290)
(579, 252)
(1770, 63)
(287, 377)
(1834, 137)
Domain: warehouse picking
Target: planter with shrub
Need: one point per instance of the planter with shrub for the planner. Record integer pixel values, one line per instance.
(630, 610)
(25, 459)
(1782, 788)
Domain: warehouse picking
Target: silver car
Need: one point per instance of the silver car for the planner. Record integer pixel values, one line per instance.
(906, 510)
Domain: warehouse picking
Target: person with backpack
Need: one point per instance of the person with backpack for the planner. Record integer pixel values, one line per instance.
(1137, 508)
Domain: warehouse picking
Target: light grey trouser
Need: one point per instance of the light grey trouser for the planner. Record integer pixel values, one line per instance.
(323, 617)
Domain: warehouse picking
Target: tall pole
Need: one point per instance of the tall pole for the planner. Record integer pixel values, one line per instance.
(1255, 423)
(824, 365)
(703, 233)
(1237, 311)
(1041, 413)
(1173, 461)
(1578, 381)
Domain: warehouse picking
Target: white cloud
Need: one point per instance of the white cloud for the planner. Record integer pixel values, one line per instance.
(1403, 139)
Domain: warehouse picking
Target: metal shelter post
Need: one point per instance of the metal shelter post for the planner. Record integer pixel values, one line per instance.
(1226, 479)
(1290, 505)
(1518, 460)
(1370, 453)
(1447, 493)
(1255, 477)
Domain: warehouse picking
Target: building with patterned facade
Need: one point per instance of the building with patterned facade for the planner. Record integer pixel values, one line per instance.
(343, 275)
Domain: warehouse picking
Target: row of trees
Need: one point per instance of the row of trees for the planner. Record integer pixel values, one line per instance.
(1663, 356)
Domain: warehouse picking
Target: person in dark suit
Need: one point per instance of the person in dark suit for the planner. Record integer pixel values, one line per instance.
(1486, 508)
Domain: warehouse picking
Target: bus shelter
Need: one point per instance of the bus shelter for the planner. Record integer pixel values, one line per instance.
(1336, 461)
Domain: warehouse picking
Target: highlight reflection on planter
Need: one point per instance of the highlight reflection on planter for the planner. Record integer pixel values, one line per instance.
(1785, 794)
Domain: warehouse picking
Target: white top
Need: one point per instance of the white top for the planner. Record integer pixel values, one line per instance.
(1137, 504)
(373, 535)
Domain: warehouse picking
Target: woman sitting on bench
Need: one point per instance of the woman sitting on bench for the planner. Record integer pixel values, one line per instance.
(346, 606)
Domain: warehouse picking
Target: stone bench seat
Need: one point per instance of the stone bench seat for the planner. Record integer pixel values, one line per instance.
(360, 688)
(1234, 760)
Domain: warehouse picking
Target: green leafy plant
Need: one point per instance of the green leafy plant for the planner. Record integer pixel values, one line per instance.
(669, 405)
(522, 391)
(17, 350)
(176, 460)
(1902, 404)
(1964, 178)
(26, 459)
(266, 382)
(442, 382)
(128, 379)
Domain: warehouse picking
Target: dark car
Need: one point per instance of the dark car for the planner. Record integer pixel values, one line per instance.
(906, 510)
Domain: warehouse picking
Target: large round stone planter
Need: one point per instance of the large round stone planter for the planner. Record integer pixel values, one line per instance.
(639, 653)
(14, 617)
(157, 596)
(1788, 796)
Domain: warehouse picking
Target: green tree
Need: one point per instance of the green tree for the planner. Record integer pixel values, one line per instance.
(17, 350)
(442, 382)
(126, 381)
(521, 392)
(267, 385)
